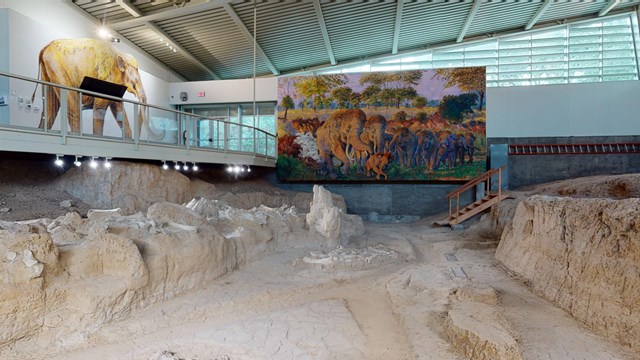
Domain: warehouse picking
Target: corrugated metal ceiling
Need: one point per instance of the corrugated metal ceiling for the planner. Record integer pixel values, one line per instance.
(214, 37)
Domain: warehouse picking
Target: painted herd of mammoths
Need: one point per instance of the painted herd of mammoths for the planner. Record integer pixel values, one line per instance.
(372, 143)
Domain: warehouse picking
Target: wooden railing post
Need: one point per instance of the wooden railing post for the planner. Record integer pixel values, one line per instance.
(499, 182)
(457, 206)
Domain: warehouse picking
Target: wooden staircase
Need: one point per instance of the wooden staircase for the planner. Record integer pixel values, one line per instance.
(457, 215)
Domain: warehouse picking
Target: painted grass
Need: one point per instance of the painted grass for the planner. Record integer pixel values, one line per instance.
(293, 169)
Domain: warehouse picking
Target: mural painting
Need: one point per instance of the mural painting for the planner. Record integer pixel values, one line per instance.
(418, 125)
(68, 61)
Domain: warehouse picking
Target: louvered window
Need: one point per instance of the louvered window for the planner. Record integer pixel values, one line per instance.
(590, 51)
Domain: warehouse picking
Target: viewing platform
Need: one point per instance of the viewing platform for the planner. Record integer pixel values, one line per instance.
(102, 126)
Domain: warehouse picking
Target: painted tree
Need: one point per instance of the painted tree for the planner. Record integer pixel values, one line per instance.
(467, 79)
(355, 99)
(317, 87)
(404, 94)
(453, 107)
(341, 96)
(386, 96)
(371, 95)
(395, 87)
(419, 102)
(286, 103)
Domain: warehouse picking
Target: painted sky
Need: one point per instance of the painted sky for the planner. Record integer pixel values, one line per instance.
(430, 87)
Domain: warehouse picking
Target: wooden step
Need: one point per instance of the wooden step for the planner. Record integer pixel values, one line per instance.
(476, 208)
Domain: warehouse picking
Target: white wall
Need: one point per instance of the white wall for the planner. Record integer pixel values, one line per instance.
(607, 109)
(224, 91)
(4, 64)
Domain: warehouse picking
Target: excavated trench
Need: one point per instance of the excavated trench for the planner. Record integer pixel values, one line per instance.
(247, 272)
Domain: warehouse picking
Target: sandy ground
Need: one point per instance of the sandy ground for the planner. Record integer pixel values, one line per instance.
(282, 308)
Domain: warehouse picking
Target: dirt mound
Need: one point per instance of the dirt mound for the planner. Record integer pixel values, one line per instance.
(611, 186)
(582, 254)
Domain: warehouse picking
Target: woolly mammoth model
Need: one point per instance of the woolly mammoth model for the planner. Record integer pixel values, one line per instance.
(68, 61)
(340, 132)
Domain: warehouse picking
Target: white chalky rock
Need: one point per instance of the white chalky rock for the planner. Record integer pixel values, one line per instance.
(11, 256)
(37, 270)
(331, 222)
(100, 214)
(28, 259)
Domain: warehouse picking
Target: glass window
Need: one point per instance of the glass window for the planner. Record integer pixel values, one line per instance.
(238, 121)
(596, 50)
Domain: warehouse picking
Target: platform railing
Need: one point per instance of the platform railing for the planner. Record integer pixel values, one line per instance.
(31, 105)
(458, 214)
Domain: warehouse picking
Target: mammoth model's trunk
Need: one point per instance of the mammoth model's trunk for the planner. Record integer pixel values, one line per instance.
(142, 119)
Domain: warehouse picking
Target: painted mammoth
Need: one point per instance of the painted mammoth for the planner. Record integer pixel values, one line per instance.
(403, 146)
(68, 61)
(372, 135)
(447, 150)
(426, 152)
(340, 132)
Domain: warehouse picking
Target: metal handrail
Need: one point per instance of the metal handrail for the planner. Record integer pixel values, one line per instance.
(105, 96)
(188, 117)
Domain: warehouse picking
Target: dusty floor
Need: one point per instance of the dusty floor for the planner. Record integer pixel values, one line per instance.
(280, 308)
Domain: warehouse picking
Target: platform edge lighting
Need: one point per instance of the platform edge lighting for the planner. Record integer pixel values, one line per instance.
(77, 161)
(59, 161)
(237, 169)
(93, 164)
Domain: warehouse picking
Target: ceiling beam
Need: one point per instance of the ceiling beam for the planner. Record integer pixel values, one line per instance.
(396, 30)
(92, 19)
(467, 23)
(184, 51)
(538, 15)
(125, 4)
(610, 5)
(325, 33)
(236, 19)
(166, 14)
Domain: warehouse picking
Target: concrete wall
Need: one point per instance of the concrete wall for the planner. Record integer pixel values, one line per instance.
(594, 109)
(525, 170)
(386, 199)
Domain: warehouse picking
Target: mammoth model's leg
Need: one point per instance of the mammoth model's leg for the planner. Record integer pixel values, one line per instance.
(73, 112)
(99, 111)
(117, 109)
(52, 104)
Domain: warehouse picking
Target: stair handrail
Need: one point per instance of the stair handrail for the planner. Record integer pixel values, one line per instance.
(475, 181)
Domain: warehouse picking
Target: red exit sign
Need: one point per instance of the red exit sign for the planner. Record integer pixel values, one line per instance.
(201, 94)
